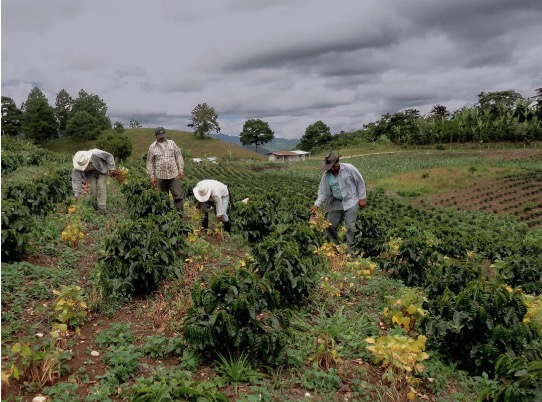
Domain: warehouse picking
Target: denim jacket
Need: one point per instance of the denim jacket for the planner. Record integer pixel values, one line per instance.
(351, 184)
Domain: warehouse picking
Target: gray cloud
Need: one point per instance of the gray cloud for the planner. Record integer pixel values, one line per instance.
(345, 62)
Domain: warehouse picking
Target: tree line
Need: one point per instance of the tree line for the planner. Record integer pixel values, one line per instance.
(497, 116)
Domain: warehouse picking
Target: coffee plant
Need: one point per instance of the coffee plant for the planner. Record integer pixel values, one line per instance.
(136, 259)
(237, 311)
(16, 220)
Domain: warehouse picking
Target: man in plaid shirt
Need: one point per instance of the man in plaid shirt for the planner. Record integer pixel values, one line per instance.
(165, 166)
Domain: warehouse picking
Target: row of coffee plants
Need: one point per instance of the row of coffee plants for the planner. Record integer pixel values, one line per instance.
(476, 270)
(17, 153)
(32, 184)
(145, 249)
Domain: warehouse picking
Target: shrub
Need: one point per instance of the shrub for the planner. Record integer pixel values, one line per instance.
(478, 324)
(236, 311)
(40, 194)
(451, 274)
(136, 259)
(16, 220)
(279, 260)
(115, 143)
(255, 220)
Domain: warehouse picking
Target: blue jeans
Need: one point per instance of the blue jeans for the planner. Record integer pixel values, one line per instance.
(209, 205)
(335, 217)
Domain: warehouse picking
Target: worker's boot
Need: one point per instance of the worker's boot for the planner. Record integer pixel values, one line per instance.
(205, 222)
(227, 226)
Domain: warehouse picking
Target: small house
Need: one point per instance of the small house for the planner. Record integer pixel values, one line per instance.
(211, 159)
(288, 156)
(283, 156)
(303, 154)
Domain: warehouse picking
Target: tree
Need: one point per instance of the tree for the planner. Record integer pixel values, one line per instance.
(257, 132)
(11, 117)
(439, 111)
(39, 121)
(118, 127)
(119, 145)
(499, 103)
(82, 126)
(93, 105)
(316, 135)
(204, 120)
(135, 123)
(63, 107)
(538, 99)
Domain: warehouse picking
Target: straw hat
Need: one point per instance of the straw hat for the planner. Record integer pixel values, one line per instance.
(201, 192)
(81, 159)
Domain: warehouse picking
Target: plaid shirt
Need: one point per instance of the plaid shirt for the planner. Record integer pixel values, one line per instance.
(164, 161)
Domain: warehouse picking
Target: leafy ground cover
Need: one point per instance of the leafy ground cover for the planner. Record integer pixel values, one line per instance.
(134, 350)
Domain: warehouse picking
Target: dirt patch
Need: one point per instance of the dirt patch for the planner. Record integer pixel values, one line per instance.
(519, 195)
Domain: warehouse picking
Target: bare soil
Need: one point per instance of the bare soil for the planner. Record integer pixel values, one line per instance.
(519, 195)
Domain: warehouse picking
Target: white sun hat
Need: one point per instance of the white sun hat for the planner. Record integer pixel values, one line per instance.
(201, 192)
(81, 159)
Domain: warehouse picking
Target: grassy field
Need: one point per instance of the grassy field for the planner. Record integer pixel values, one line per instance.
(141, 138)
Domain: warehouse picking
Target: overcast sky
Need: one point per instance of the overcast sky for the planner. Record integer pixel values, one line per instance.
(289, 63)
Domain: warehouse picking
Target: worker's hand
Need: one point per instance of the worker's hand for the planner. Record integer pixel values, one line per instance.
(153, 181)
(198, 205)
(362, 203)
(112, 173)
(219, 218)
(314, 209)
(181, 174)
(75, 197)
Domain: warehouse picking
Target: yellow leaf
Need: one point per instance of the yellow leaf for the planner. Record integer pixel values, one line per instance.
(5, 377)
(370, 340)
(15, 372)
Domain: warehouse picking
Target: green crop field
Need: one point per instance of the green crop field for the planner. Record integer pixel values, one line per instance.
(439, 303)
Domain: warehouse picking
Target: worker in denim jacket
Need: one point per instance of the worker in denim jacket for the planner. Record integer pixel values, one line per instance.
(342, 193)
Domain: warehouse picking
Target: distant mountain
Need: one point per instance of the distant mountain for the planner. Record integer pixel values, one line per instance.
(277, 144)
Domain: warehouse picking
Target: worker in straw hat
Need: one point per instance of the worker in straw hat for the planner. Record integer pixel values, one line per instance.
(212, 194)
(93, 167)
(342, 193)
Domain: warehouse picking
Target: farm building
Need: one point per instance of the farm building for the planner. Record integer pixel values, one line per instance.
(303, 154)
(288, 156)
(211, 159)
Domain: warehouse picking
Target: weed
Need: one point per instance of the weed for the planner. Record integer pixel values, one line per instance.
(123, 361)
(190, 360)
(320, 380)
(119, 334)
(70, 308)
(237, 370)
(61, 392)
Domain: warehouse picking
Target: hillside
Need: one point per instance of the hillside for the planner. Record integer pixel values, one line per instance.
(277, 144)
(143, 137)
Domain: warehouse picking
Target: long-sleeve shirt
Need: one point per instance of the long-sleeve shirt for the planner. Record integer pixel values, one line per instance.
(100, 161)
(218, 191)
(351, 184)
(164, 160)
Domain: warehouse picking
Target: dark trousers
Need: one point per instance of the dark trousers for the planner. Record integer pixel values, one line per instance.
(173, 186)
